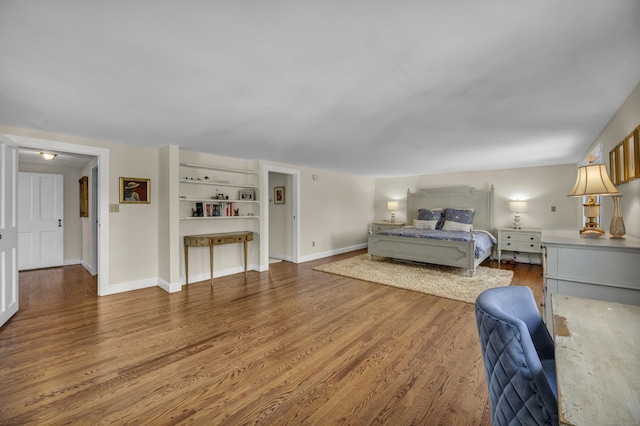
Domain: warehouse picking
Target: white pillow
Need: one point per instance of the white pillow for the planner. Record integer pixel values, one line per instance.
(425, 224)
(456, 226)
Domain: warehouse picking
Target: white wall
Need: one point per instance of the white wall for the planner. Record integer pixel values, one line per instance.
(625, 120)
(541, 187)
(72, 233)
(335, 211)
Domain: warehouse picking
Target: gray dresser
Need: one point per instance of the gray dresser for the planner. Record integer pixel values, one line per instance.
(591, 268)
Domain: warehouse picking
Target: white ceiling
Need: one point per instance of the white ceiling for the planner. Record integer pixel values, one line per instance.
(378, 88)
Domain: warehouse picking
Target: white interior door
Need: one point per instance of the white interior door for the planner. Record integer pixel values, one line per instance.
(8, 229)
(40, 232)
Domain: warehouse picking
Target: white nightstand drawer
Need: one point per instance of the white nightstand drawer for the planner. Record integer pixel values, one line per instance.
(385, 226)
(527, 246)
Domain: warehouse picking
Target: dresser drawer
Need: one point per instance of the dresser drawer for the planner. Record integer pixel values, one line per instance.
(515, 245)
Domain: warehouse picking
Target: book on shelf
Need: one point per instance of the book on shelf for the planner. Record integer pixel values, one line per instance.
(218, 209)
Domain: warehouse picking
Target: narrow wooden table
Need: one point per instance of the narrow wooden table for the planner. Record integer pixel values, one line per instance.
(212, 240)
(597, 346)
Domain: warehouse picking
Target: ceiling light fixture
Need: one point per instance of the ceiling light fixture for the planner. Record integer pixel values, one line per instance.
(48, 156)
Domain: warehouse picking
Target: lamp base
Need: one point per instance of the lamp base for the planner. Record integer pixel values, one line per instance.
(592, 231)
(516, 221)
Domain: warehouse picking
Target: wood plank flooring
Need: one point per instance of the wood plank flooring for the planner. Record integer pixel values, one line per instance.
(289, 346)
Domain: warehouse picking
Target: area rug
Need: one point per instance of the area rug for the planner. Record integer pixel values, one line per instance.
(443, 281)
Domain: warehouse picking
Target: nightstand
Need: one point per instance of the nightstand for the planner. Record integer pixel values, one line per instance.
(376, 227)
(525, 240)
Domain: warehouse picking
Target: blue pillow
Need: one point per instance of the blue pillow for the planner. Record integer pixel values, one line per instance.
(458, 219)
(432, 217)
(429, 214)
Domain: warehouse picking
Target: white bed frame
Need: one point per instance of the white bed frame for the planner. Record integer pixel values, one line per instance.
(450, 253)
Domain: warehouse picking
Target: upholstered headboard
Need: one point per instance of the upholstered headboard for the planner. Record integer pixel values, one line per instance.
(455, 197)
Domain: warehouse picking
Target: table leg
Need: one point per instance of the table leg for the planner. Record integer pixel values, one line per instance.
(245, 258)
(211, 262)
(186, 264)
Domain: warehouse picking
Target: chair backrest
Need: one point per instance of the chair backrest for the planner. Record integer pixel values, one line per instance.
(520, 370)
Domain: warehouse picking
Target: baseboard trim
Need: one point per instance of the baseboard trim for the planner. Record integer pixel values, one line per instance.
(131, 285)
(316, 256)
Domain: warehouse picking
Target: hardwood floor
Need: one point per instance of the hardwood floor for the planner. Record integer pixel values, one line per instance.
(288, 346)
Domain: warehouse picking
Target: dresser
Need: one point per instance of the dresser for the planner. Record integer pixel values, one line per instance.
(525, 240)
(591, 268)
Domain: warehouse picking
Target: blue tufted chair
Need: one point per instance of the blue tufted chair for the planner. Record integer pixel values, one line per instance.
(518, 356)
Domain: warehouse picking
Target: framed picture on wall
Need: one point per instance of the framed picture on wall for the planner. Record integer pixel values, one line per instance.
(84, 196)
(134, 191)
(278, 195)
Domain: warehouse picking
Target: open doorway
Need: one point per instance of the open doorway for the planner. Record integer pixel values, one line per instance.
(102, 196)
(280, 217)
(281, 206)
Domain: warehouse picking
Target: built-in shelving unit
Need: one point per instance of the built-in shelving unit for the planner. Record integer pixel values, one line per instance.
(196, 190)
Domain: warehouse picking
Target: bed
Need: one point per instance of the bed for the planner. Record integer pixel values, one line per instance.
(457, 247)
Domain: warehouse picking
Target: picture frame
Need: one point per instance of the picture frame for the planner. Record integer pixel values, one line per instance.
(624, 159)
(279, 195)
(246, 195)
(84, 196)
(135, 190)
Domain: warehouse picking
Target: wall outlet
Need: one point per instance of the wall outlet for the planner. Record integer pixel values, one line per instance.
(553, 209)
(114, 208)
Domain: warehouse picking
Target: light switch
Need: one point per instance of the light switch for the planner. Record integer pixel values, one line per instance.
(114, 208)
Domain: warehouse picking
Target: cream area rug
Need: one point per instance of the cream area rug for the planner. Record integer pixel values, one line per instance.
(443, 281)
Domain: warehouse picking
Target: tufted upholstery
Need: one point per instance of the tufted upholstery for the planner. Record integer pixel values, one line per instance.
(518, 356)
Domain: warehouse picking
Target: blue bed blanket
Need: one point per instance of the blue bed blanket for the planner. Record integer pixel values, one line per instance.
(484, 240)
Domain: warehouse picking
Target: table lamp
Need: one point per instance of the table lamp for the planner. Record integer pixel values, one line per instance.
(392, 206)
(517, 207)
(592, 181)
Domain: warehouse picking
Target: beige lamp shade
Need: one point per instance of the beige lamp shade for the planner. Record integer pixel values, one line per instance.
(593, 180)
(392, 205)
(518, 206)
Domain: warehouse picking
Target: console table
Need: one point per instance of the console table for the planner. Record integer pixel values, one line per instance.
(212, 240)
(597, 355)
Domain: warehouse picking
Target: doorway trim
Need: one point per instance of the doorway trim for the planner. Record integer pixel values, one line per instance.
(295, 200)
(103, 195)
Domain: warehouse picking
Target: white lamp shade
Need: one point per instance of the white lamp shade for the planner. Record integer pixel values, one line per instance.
(518, 206)
(593, 180)
(392, 205)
